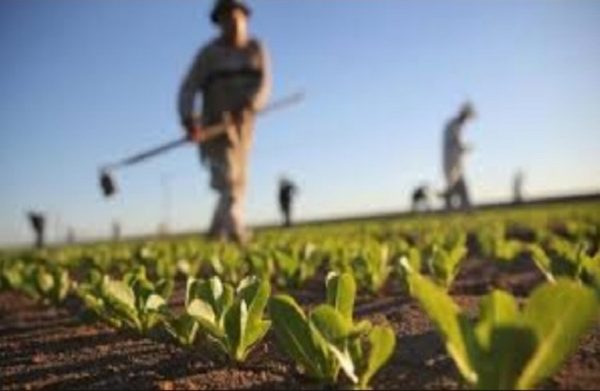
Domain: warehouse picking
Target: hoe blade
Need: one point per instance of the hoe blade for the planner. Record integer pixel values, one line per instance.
(107, 184)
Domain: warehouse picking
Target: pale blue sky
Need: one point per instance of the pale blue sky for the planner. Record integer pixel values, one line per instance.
(86, 82)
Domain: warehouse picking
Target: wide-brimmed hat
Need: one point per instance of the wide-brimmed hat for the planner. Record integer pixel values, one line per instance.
(227, 5)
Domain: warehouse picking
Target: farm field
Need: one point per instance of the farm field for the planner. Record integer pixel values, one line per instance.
(186, 313)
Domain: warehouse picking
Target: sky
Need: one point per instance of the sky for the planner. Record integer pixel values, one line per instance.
(83, 83)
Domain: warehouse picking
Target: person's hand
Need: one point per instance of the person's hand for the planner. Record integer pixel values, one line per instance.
(248, 105)
(193, 131)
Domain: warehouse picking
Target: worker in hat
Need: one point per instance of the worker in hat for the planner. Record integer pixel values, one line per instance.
(453, 152)
(232, 74)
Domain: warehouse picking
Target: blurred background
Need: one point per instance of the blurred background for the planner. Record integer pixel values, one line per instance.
(85, 83)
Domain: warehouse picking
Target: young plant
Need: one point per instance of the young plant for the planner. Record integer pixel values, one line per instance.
(495, 245)
(261, 263)
(295, 264)
(508, 348)
(39, 280)
(443, 264)
(233, 319)
(134, 302)
(404, 252)
(183, 327)
(52, 283)
(372, 266)
(328, 339)
(227, 262)
(565, 259)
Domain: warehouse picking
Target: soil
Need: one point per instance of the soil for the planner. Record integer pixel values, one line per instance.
(56, 348)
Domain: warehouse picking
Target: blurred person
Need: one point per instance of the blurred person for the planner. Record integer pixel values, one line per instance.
(287, 192)
(116, 231)
(70, 235)
(38, 224)
(453, 151)
(420, 198)
(232, 74)
(518, 187)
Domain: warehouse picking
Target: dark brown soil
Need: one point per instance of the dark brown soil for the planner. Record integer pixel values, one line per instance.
(54, 348)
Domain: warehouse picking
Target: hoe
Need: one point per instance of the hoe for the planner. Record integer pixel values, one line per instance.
(107, 181)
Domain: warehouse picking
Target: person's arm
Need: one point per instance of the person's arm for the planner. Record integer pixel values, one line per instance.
(188, 91)
(457, 138)
(261, 96)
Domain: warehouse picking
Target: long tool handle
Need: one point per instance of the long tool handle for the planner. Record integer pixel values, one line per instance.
(212, 131)
(208, 133)
(146, 154)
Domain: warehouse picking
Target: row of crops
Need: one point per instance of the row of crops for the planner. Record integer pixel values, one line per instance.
(234, 296)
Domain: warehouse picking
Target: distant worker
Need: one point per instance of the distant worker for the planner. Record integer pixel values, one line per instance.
(116, 231)
(38, 223)
(420, 198)
(518, 187)
(454, 149)
(287, 191)
(232, 74)
(70, 235)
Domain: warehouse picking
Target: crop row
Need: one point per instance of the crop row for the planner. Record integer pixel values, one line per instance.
(229, 306)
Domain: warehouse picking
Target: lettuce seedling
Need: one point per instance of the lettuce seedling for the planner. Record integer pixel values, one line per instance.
(443, 264)
(328, 339)
(508, 348)
(232, 318)
(564, 259)
(134, 301)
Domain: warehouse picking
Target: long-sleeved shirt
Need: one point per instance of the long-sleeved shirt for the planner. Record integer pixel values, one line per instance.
(229, 79)
(453, 151)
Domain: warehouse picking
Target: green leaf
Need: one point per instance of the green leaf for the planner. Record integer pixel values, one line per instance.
(256, 332)
(345, 360)
(504, 344)
(360, 328)
(183, 328)
(455, 329)
(341, 292)
(164, 287)
(382, 342)
(296, 337)
(542, 261)
(256, 293)
(236, 320)
(330, 323)
(119, 292)
(154, 303)
(496, 309)
(559, 314)
(45, 280)
(63, 284)
(205, 315)
(120, 298)
(500, 364)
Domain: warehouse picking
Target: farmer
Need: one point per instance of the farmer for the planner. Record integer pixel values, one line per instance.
(518, 187)
(454, 149)
(287, 191)
(37, 221)
(420, 198)
(232, 74)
